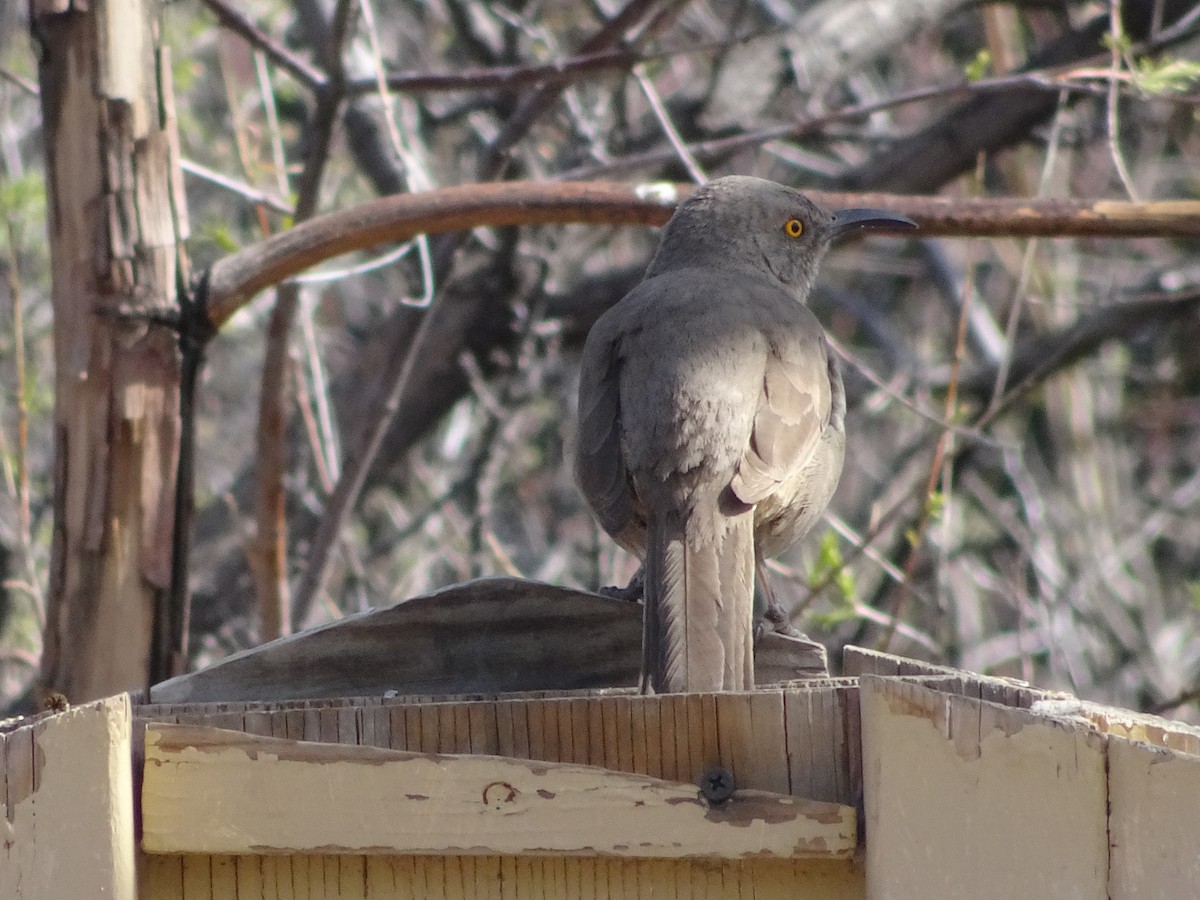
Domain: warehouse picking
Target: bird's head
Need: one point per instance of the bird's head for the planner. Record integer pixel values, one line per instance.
(739, 221)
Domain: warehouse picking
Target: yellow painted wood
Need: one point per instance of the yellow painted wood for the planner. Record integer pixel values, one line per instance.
(498, 878)
(976, 786)
(966, 798)
(1154, 821)
(66, 806)
(217, 791)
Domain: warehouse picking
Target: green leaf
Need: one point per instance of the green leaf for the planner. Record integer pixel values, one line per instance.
(1122, 43)
(24, 197)
(1166, 75)
(219, 234)
(845, 583)
(831, 565)
(980, 66)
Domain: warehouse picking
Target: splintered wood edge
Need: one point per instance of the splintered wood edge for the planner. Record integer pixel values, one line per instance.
(209, 790)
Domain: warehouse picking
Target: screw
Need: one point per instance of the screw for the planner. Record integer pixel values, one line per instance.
(717, 784)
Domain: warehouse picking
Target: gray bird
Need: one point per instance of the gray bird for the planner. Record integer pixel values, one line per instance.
(711, 418)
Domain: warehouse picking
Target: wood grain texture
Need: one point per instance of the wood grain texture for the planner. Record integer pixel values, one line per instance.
(493, 635)
(675, 736)
(169, 877)
(679, 734)
(216, 791)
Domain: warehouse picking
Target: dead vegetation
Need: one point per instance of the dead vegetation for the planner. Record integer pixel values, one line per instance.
(1021, 479)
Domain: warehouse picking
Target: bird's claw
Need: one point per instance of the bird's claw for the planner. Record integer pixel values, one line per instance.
(632, 592)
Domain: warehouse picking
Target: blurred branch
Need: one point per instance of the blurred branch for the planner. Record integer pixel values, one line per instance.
(268, 552)
(238, 277)
(20, 455)
(515, 78)
(668, 127)
(939, 470)
(249, 192)
(832, 39)
(1116, 43)
(1055, 80)
(400, 370)
(1185, 698)
(25, 84)
(535, 105)
(949, 146)
(1038, 358)
(296, 66)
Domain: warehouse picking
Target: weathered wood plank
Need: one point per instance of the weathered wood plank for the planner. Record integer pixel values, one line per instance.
(858, 661)
(509, 878)
(675, 737)
(817, 728)
(1149, 729)
(490, 636)
(66, 824)
(214, 791)
(966, 798)
(1154, 820)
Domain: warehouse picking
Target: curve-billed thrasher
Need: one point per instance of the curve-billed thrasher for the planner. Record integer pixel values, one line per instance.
(710, 418)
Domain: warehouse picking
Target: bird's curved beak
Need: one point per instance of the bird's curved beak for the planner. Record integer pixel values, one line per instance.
(847, 221)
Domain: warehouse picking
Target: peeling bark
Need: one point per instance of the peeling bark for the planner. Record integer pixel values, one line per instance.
(112, 212)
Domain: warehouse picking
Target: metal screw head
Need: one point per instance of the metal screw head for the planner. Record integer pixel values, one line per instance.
(717, 784)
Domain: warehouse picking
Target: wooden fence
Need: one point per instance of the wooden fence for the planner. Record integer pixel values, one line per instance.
(900, 781)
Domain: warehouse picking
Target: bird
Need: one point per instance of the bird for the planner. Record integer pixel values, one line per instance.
(710, 430)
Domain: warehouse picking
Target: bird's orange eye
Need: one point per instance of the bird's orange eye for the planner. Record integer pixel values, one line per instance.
(793, 227)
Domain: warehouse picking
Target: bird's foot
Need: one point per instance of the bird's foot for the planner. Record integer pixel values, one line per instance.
(633, 592)
(764, 625)
(775, 619)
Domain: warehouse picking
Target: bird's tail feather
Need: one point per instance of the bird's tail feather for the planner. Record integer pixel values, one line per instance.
(699, 603)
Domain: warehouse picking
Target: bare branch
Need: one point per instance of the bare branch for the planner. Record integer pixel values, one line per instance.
(251, 193)
(269, 549)
(515, 78)
(239, 276)
(543, 98)
(299, 68)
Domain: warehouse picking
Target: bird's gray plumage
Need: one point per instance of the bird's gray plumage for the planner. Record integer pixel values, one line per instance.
(711, 419)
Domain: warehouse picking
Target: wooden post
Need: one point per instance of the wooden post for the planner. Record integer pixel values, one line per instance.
(969, 798)
(66, 806)
(115, 211)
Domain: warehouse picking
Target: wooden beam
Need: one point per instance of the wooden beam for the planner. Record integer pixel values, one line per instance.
(208, 790)
(66, 805)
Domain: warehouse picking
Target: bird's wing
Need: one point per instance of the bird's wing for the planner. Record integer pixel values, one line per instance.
(600, 466)
(792, 413)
